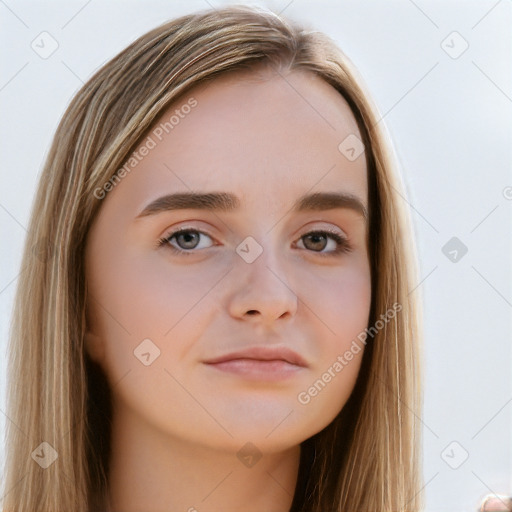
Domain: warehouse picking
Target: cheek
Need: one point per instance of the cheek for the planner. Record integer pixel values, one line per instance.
(149, 298)
(341, 302)
(348, 301)
(342, 305)
(347, 311)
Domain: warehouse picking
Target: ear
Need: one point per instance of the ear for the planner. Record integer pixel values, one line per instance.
(94, 347)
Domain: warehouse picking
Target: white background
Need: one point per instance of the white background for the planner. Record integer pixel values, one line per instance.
(450, 121)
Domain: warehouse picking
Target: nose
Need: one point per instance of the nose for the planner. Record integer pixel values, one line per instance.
(261, 291)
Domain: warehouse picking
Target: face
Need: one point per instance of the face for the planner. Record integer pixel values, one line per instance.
(238, 328)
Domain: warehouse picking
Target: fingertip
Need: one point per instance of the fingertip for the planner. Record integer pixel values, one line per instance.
(496, 503)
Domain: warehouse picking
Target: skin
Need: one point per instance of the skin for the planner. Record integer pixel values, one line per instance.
(178, 423)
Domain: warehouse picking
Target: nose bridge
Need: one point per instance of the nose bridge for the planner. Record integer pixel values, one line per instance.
(259, 256)
(260, 280)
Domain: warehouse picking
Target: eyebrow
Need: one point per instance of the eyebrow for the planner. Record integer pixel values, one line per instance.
(227, 202)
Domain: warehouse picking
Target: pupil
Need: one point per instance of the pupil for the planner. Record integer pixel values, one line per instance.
(316, 239)
(188, 236)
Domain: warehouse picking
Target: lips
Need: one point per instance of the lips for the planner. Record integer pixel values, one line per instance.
(262, 353)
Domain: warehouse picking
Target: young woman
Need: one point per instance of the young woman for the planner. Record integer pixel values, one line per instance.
(220, 312)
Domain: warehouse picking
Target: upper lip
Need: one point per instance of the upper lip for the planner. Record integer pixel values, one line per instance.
(262, 353)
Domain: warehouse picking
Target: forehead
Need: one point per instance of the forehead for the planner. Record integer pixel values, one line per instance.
(257, 133)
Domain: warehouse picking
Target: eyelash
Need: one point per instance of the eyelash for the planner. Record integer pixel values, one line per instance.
(342, 248)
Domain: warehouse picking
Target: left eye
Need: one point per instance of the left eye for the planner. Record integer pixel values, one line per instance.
(320, 240)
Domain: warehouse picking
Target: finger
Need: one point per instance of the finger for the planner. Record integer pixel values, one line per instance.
(496, 503)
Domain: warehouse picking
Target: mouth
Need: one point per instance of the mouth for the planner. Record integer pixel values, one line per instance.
(260, 363)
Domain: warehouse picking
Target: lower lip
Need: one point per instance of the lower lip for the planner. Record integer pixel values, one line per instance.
(255, 369)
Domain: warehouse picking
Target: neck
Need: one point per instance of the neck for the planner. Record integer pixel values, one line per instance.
(150, 470)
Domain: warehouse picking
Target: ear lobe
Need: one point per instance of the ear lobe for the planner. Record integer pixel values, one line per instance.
(94, 347)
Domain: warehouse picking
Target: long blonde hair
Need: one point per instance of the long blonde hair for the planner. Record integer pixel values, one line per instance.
(368, 459)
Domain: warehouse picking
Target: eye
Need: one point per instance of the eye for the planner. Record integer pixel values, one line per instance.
(319, 240)
(186, 237)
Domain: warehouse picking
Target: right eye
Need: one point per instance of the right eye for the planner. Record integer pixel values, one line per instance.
(186, 237)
